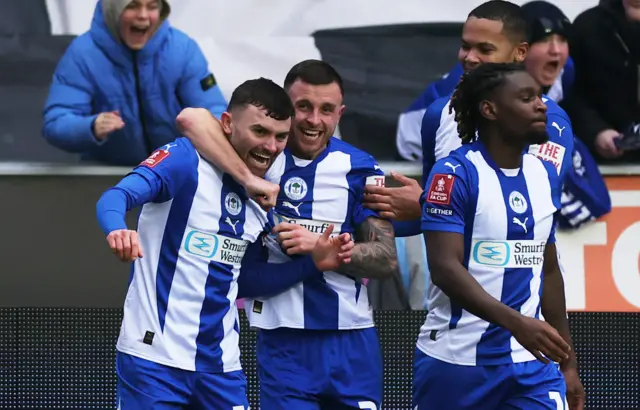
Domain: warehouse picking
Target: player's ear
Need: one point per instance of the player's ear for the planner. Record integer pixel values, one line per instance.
(225, 121)
(488, 110)
(520, 52)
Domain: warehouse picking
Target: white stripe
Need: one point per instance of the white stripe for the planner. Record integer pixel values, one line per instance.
(141, 306)
(571, 208)
(447, 138)
(231, 339)
(409, 137)
(625, 199)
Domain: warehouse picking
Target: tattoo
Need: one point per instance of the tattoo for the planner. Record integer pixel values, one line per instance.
(374, 255)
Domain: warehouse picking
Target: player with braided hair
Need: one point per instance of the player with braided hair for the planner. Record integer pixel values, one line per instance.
(469, 92)
(464, 116)
(494, 266)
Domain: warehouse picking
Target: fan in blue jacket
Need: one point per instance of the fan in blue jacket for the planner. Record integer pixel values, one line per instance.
(118, 88)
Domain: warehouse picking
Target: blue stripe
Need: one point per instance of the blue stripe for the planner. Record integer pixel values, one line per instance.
(304, 204)
(321, 306)
(171, 241)
(216, 305)
(230, 217)
(495, 343)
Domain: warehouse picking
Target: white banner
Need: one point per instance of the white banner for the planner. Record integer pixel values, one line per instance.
(245, 39)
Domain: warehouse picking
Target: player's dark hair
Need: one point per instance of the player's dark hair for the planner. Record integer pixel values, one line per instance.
(314, 72)
(264, 94)
(514, 21)
(474, 87)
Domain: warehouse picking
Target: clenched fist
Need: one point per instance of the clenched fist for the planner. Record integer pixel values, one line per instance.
(125, 244)
(106, 123)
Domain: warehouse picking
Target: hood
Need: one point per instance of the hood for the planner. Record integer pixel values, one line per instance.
(112, 10)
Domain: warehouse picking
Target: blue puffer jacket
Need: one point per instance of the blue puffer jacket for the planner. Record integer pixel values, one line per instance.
(148, 88)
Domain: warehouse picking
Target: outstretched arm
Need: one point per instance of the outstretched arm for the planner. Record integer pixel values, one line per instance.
(374, 255)
(133, 191)
(157, 179)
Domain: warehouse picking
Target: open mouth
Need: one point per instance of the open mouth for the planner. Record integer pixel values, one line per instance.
(260, 160)
(139, 31)
(552, 66)
(311, 134)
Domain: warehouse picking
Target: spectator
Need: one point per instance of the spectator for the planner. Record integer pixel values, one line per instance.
(119, 87)
(606, 99)
(548, 57)
(547, 61)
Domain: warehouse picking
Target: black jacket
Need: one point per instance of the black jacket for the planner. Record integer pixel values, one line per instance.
(605, 48)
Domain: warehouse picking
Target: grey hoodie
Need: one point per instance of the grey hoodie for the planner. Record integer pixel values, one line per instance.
(112, 10)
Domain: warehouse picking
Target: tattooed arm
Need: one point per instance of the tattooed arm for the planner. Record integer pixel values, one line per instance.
(374, 255)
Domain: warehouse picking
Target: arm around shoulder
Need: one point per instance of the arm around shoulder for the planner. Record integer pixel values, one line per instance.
(206, 134)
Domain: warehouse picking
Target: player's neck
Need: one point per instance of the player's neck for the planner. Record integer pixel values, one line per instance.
(505, 155)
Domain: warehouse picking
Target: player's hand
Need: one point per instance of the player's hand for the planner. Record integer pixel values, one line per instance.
(605, 144)
(295, 239)
(576, 397)
(541, 339)
(262, 191)
(400, 204)
(331, 253)
(125, 244)
(106, 123)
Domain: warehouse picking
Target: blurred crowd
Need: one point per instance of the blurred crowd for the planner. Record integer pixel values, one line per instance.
(117, 90)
